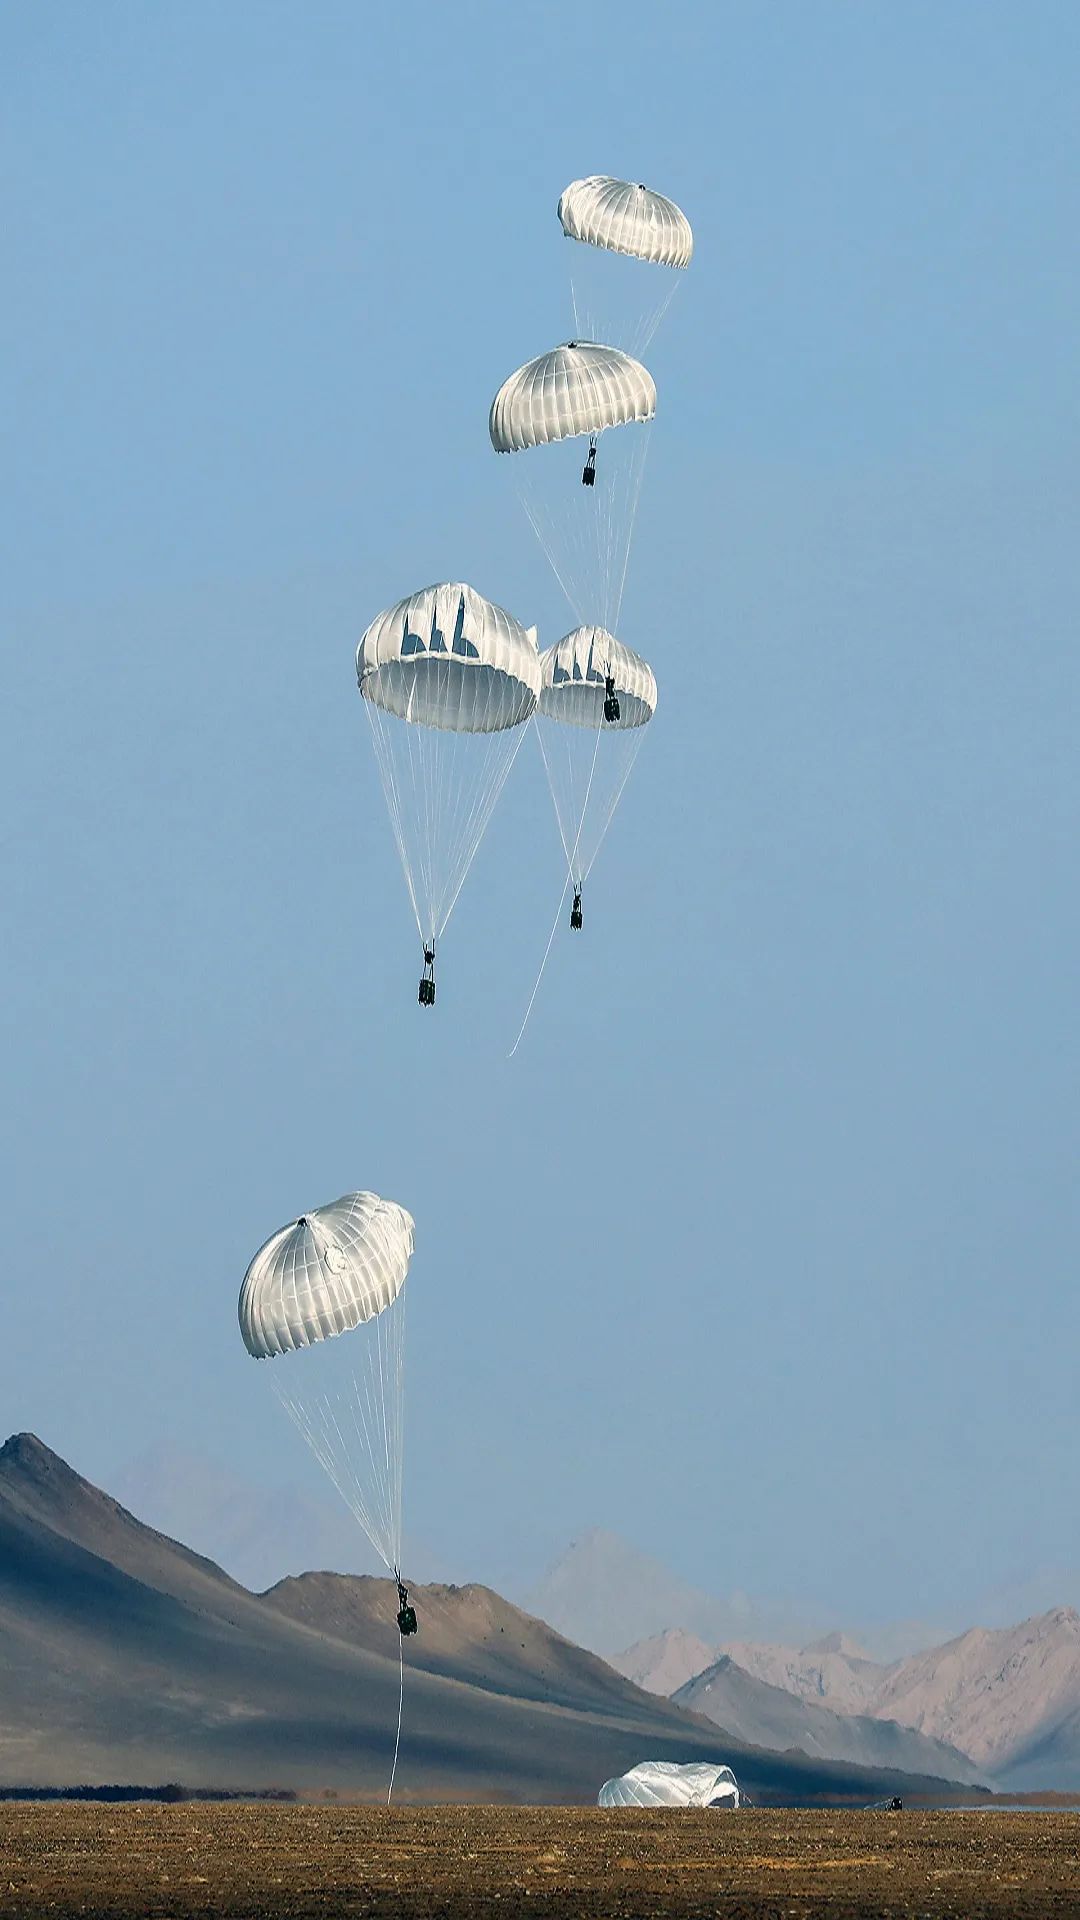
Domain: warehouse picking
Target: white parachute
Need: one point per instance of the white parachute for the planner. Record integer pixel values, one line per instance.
(448, 680)
(596, 699)
(633, 244)
(664, 1783)
(324, 1300)
(582, 514)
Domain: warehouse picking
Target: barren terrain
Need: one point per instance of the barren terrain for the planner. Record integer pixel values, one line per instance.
(216, 1860)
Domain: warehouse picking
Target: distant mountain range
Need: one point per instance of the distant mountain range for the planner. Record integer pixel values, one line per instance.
(1007, 1698)
(125, 1657)
(600, 1592)
(767, 1716)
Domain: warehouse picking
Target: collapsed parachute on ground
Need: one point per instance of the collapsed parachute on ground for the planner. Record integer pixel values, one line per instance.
(596, 699)
(625, 271)
(664, 1783)
(583, 515)
(448, 680)
(324, 1301)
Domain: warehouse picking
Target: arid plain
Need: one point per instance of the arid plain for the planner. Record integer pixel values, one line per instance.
(214, 1859)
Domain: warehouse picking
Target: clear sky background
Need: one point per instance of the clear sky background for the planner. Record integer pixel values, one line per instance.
(763, 1251)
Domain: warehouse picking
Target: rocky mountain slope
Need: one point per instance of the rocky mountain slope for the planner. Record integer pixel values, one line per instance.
(665, 1661)
(768, 1716)
(1009, 1698)
(124, 1657)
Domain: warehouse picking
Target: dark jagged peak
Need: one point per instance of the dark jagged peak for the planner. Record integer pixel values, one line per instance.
(25, 1450)
(38, 1484)
(29, 1470)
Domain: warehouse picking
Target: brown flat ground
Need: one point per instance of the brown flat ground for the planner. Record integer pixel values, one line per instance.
(214, 1859)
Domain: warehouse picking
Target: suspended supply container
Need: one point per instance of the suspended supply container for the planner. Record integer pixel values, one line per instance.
(666, 1783)
(448, 680)
(324, 1300)
(579, 418)
(596, 699)
(632, 246)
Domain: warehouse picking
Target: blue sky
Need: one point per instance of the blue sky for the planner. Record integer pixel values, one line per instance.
(763, 1250)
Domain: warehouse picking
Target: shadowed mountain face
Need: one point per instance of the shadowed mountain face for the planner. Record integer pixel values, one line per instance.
(769, 1716)
(125, 1657)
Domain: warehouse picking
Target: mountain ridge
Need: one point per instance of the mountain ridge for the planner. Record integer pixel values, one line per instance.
(1007, 1697)
(123, 1655)
(770, 1716)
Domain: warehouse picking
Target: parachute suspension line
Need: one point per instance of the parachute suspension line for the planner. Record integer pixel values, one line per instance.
(483, 804)
(563, 574)
(650, 325)
(636, 482)
(400, 1705)
(584, 804)
(587, 533)
(393, 803)
(406, 1624)
(570, 859)
(441, 786)
(607, 812)
(609, 305)
(573, 870)
(540, 975)
(353, 1421)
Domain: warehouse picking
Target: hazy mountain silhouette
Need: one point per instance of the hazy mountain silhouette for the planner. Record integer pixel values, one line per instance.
(605, 1594)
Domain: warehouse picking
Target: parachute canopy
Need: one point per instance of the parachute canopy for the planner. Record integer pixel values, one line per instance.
(541, 411)
(325, 1274)
(664, 1783)
(587, 757)
(575, 675)
(579, 388)
(447, 658)
(626, 218)
(448, 680)
(340, 1271)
